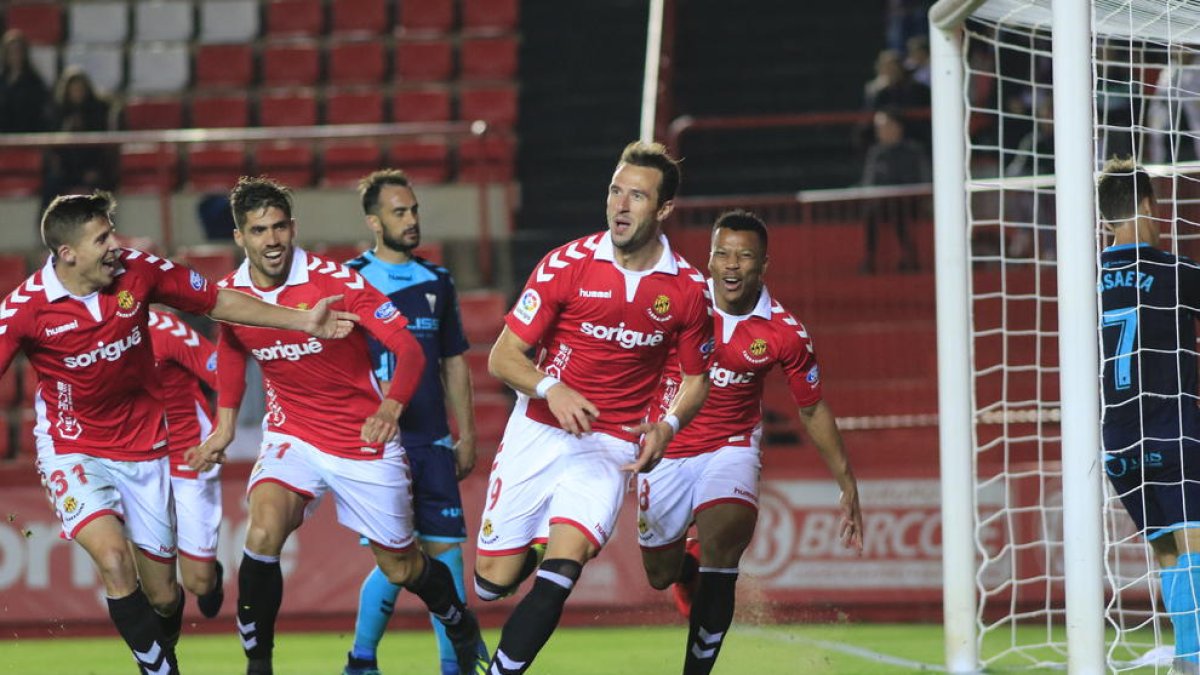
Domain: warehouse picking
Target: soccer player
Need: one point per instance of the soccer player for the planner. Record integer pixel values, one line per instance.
(82, 322)
(1150, 423)
(711, 470)
(184, 359)
(328, 426)
(602, 312)
(424, 293)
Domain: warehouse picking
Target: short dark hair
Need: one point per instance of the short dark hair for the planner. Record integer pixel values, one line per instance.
(257, 193)
(1122, 188)
(655, 156)
(65, 215)
(741, 220)
(370, 187)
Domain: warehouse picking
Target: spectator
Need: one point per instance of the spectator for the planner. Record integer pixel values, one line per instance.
(1173, 108)
(77, 107)
(892, 160)
(892, 86)
(24, 98)
(917, 60)
(904, 20)
(1031, 207)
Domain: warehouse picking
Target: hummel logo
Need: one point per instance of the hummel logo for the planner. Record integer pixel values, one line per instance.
(63, 328)
(583, 293)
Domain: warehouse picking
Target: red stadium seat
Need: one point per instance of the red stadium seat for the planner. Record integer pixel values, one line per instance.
(295, 18)
(339, 252)
(432, 251)
(217, 111)
(12, 272)
(491, 411)
(488, 58)
(215, 167)
(346, 163)
(490, 15)
(211, 260)
(424, 61)
(41, 22)
(289, 163)
(9, 390)
(482, 315)
(26, 443)
(288, 108)
(363, 17)
(291, 63)
(426, 16)
(495, 105)
(153, 113)
(421, 105)
(359, 106)
(489, 158)
(477, 360)
(424, 161)
(20, 172)
(147, 167)
(357, 63)
(230, 65)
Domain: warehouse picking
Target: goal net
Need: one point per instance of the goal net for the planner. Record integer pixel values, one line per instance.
(1145, 66)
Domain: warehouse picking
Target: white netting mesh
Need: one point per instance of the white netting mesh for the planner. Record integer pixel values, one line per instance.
(1147, 83)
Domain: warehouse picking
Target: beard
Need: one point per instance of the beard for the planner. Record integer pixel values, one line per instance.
(398, 245)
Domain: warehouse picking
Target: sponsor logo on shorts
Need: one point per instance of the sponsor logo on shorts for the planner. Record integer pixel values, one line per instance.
(105, 351)
(813, 376)
(489, 534)
(198, 282)
(387, 312)
(63, 328)
(723, 377)
(743, 493)
(291, 351)
(626, 337)
(661, 309)
(127, 305)
(601, 531)
(528, 306)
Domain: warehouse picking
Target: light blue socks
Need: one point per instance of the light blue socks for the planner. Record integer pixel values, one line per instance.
(376, 602)
(1181, 588)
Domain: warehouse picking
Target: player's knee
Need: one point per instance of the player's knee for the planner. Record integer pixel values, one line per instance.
(726, 549)
(115, 564)
(659, 576)
(402, 567)
(488, 590)
(164, 598)
(199, 581)
(264, 539)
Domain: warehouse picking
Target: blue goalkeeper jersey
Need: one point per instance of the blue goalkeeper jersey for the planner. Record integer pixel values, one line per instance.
(425, 294)
(1150, 300)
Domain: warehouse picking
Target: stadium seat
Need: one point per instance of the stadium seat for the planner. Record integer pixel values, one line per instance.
(346, 162)
(339, 252)
(295, 18)
(9, 393)
(424, 60)
(145, 167)
(12, 272)
(41, 22)
(426, 16)
(287, 108)
(29, 383)
(490, 15)
(104, 64)
(223, 21)
(159, 68)
(482, 314)
(432, 251)
(26, 443)
(220, 110)
(359, 17)
(424, 161)
(421, 105)
(488, 58)
(153, 113)
(491, 411)
(495, 105)
(489, 158)
(477, 359)
(229, 65)
(357, 62)
(291, 64)
(357, 106)
(289, 163)
(213, 261)
(215, 167)
(20, 172)
(45, 61)
(101, 22)
(165, 20)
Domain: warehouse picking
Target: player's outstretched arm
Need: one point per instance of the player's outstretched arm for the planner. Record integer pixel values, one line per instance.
(509, 364)
(321, 321)
(457, 377)
(212, 451)
(655, 436)
(822, 429)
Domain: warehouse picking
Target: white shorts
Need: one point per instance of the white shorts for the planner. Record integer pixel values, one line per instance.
(544, 476)
(82, 488)
(676, 490)
(198, 514)
(373, 496)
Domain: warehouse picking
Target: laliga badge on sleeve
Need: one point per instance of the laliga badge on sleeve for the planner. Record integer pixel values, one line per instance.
(528, 306)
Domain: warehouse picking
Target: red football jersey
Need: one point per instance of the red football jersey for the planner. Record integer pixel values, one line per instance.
(606, 332)
(96, 391)
(321, 391)
(747, 347)
(184, 359)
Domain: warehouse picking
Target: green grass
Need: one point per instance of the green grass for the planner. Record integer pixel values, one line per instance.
(841, 649)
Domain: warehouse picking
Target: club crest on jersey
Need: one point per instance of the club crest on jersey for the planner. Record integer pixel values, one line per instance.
(661, 309)
(198, 282)
(387, 312)
(528, 306)
(127, 305)
(757, 351)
